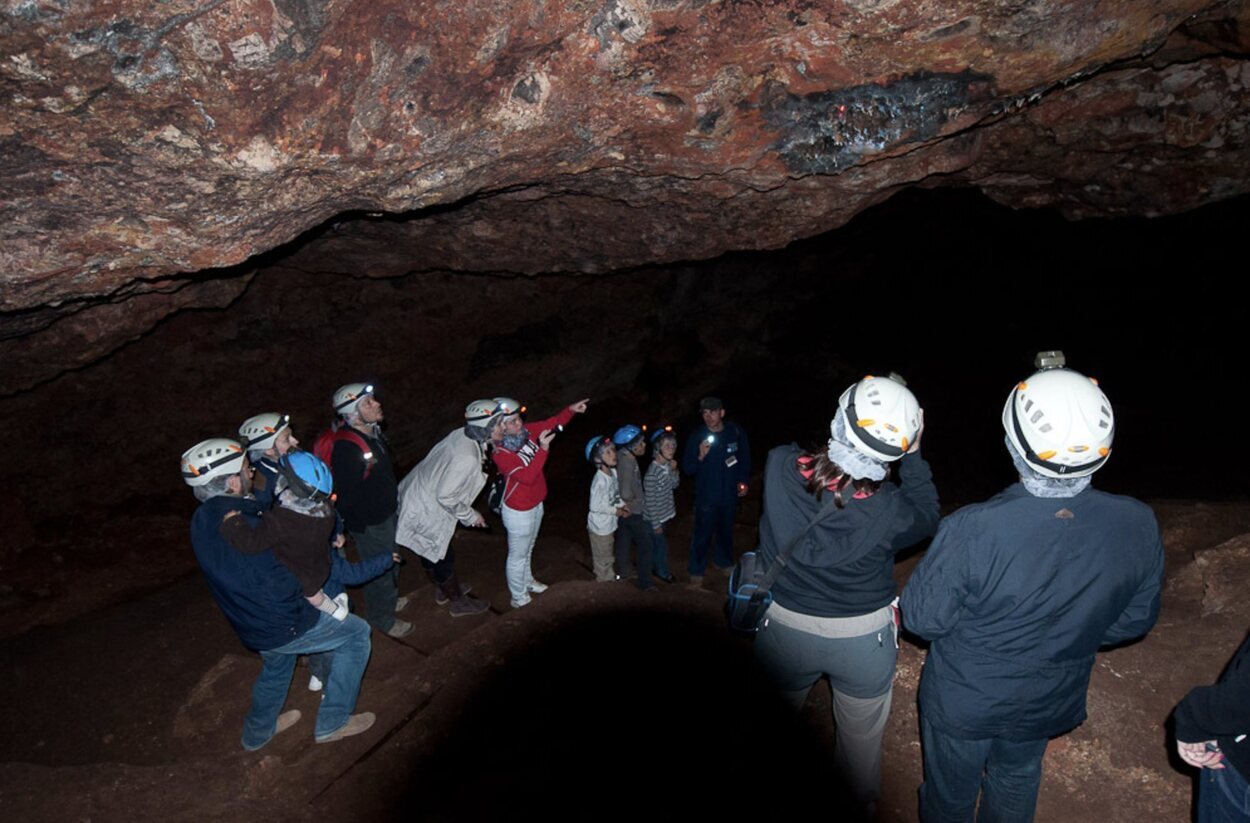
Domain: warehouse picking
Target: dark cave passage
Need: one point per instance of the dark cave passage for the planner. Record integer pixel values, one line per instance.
(950, 290)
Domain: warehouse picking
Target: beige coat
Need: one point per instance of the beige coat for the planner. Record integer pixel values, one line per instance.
(439, 492)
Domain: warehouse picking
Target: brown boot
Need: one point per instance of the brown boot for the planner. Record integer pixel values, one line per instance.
(462, 604)
(440, 596)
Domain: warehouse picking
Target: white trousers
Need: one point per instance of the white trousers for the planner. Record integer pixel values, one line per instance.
(522, 529)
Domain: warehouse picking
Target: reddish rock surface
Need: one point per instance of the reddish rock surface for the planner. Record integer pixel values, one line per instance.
(141, 142)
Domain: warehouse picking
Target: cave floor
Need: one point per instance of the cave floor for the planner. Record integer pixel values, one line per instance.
(597, 701)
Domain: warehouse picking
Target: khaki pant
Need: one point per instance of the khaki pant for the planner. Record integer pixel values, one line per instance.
(602, 555)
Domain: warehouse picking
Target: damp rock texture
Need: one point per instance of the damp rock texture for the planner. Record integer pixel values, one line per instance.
(150, 151)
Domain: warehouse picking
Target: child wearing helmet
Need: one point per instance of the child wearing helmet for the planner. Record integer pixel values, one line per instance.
(299, 528)
(632, 528)
(662, 478)
(605, 506)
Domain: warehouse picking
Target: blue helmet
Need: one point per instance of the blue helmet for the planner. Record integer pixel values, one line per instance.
(596, 443)
(306, 474)
(626, 435)
(661, 433)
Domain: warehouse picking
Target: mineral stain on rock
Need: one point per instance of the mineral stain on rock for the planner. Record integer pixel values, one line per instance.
(528, 89)
(828, 131)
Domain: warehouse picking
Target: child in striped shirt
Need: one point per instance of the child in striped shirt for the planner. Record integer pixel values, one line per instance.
(662, 478)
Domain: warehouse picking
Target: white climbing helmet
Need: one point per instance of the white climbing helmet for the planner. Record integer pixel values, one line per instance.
(259, 432)
(1060, 422)
(347, 397)
(882, 417)
(508, 407)
(480, 412)
(215, 457)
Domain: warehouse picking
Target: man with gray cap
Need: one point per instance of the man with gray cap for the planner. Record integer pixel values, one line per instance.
(366, 490)
(718, 456)
(438, 493)
(1018, 593)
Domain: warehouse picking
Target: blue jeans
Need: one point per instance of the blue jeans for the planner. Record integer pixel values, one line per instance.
(1006, 773)
(713, 523)
(659, 550)
(347, 641)
(1223, 796)
(381, 592)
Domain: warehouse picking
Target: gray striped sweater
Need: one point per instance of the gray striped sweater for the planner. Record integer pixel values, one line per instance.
(658, 491)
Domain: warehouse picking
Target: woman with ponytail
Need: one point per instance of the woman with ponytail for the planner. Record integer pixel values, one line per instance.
(833, 611)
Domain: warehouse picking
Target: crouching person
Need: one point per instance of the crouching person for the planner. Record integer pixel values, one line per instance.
(266, 607)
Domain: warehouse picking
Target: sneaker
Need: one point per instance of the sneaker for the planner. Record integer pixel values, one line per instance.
(536, 588)
(466, 606)
(355, 724)
(400, 628)
(286, 720)
(314, 683)
(516, 604)
(401, 603)
(696, 581)
(667, 578)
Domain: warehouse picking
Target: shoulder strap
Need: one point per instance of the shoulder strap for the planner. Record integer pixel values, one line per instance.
(867, 539)
(324, 447)
(783, 557)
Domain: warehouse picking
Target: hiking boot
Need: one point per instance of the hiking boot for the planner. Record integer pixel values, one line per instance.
(449, 590)
(400, 628)
(355, 724)
(466, 606)
(535, 587)
(401, 603)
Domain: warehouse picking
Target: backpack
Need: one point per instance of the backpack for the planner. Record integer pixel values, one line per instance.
(323, 446)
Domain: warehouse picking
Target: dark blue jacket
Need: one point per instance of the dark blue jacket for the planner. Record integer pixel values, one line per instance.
(267, 469)
(715, 483)
(1221, 713)
(844, 566)
(260, 598)
(1017, 594)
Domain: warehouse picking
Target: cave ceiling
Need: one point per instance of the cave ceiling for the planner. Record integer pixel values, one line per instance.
(154, 154)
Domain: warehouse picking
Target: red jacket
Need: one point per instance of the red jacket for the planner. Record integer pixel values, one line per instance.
(526, 486)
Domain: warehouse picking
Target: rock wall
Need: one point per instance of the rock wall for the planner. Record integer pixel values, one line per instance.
(151, 151)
